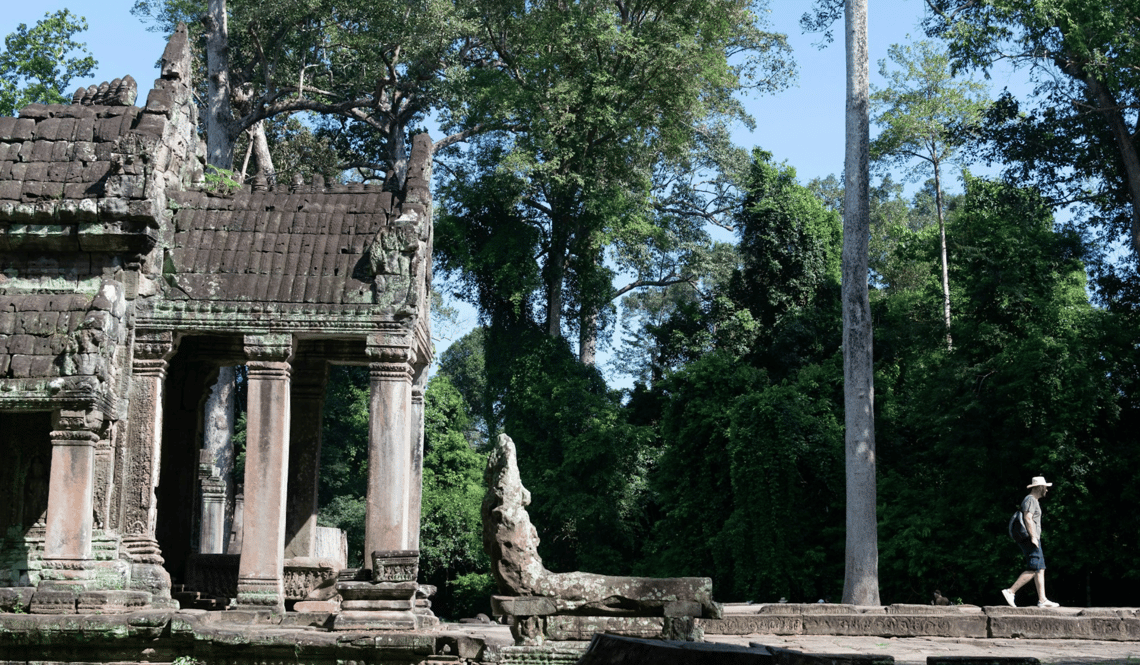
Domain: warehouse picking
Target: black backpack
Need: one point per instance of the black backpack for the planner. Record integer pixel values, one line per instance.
(1017, 529)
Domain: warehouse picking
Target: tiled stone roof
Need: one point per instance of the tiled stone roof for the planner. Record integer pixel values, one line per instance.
(275, 246)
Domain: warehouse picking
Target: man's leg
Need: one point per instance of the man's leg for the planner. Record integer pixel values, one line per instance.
(1023, 579)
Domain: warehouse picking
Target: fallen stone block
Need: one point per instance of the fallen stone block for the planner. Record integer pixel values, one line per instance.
(789, 657)
(618, 650)
(981, 660)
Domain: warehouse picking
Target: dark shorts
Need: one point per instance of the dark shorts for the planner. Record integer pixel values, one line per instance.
(1034, 557)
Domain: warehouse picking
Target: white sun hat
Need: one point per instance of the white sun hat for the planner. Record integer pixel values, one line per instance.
(1038, 480)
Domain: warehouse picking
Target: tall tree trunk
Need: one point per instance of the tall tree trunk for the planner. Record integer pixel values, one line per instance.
(861, 574)
(945, 264)
(588, 337)
(555, 274)
(261, 153)
(219, 115)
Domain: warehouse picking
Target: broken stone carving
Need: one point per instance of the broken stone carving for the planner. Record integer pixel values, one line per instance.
(531, 592)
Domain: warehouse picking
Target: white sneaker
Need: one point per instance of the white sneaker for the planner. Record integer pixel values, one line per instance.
(1046, 603)
(1008, 595)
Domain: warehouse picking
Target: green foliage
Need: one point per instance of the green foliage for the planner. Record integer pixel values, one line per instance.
(220, 181)
(1024, 392)
(924, 113)
(343, 482)
(37, 65)
(583, 462)
(451, 543)
(1073, 137)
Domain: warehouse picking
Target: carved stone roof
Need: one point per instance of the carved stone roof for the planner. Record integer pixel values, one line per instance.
(275, 246)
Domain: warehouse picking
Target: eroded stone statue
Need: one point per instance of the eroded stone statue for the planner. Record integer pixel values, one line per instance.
(512, 543)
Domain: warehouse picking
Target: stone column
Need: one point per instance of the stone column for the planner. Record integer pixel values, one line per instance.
(261, 571)
(152, 351)
(212, 489)
(416, 481)
(67, 538)
(307, 405)
(218, 453)
(387, 524)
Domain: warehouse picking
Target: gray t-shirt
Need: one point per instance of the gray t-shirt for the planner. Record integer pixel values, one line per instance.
(1030, 505)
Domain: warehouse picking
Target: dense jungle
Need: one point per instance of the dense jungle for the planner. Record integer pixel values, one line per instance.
(659, 310)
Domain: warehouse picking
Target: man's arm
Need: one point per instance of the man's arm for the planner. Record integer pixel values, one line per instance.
(1031, 527)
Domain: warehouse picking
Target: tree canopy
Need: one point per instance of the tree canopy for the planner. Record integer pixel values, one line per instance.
(37, 64)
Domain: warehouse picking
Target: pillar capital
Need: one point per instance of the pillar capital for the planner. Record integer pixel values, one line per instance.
(268, 348)
(154, 346)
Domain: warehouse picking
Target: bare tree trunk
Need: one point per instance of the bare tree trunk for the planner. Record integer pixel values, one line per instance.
(555, 275)
(588, 338)
(861, 575)
(261, 153)
(945, 264)
(219, 115)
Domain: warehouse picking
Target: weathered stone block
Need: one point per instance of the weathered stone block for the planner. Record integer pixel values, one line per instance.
(618, 650)
(522, 606)
(316, 606)
(113, 601)
(981, 660)
(789, 657)
(374, 620)
(376, 591)
(403, 604)
(896, 625)
(807, 608)
(584, 628)
(15, 599)
(758, 624)
(55, 600)
(1049, 627)
(683, 608)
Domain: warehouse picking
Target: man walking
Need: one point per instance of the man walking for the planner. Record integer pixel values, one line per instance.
(1034, 557)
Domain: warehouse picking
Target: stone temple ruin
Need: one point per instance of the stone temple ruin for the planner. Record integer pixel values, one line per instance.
(124, 288)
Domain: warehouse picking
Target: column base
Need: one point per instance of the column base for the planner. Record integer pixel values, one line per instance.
(380, 606)
(74, 572)
(261, 594)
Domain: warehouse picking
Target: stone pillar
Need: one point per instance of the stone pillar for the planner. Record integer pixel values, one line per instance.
(218, 453)
(152, 351)
(212, 490)
(67, 538)
(261, 571)
(307, 404)
(387, 526)
(416, 479)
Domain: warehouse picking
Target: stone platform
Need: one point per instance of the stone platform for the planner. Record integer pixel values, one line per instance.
(304, 638)
(955, 621)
